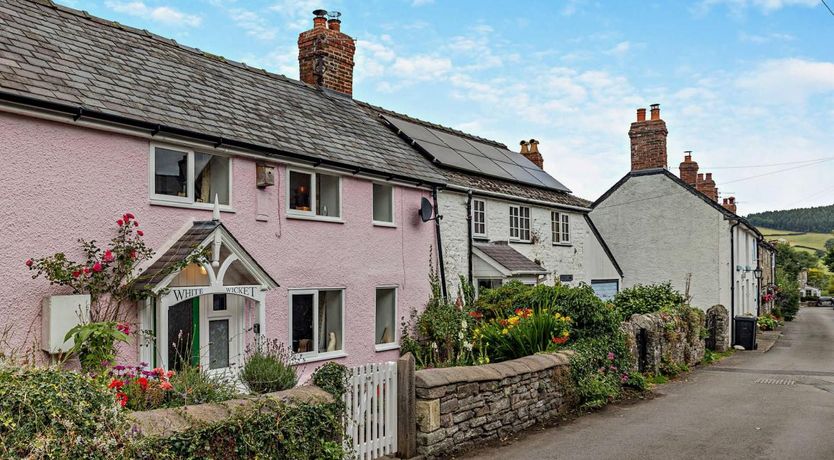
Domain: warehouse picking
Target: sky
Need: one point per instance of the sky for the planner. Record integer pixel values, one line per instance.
(747, 85)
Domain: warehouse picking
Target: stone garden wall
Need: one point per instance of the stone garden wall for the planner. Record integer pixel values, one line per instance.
(718, 327)
(459, 408)
(670, 342)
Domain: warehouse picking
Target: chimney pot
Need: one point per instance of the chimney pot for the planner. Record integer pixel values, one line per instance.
(648, 142)
(655, 112)
(530, 150)
(334, 24)
(689, 169)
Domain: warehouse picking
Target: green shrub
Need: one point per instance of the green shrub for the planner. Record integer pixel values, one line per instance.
(524, 333)
(641, 299)
(50, 413)
(599, 366)
(787, 296)
(192, 385)
(597, 389)
(269, 367)
(767, 322)
(270, 429)
(332, 378)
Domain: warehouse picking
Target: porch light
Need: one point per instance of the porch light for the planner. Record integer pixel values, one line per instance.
(758, 272)
(203, 270)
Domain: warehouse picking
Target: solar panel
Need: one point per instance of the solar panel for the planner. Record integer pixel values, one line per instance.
(475, 156)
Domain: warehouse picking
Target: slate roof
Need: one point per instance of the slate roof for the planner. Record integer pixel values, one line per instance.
(509, 258)
(485, 183)
(178, 252)
(60, 55)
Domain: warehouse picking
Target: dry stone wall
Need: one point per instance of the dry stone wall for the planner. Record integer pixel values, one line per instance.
(662, 343)
(462, 407)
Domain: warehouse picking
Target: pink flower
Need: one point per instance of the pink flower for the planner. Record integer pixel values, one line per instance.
(108, 256)
(123, 327)
(624, 378)
(140, 233)
(166, 385)
(86, 270)
(133, 254)
(610, 356)
(29, 262)
(97, 267)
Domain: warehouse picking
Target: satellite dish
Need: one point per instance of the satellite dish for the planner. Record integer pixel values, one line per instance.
(426, 210)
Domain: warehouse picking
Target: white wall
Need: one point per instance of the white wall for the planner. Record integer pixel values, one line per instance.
(658, 231)
(583, 258)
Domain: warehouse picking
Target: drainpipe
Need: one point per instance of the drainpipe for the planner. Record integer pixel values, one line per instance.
(437, 218)
(469, 233)
(732, 284)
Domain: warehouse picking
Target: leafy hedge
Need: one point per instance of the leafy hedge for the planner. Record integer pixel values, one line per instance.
(47, 413)
(641, 299)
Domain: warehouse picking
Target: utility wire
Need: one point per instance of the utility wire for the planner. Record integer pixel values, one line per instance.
(766, 165)
(772, 172)
(828, 7)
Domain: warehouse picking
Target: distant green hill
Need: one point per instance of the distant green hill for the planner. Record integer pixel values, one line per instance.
(819, 219)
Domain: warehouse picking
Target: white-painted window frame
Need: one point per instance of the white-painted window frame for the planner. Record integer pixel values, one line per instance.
(566, 228)
(396, 343)
(188, 200)
(382, 223)
(315, 355)
(560, 228)
(483, 213)
(312, 213)
(516, 231)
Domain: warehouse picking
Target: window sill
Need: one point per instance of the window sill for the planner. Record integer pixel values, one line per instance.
(332, 220)
(186, 205)
(480, 237)
(563, 244)
(384, 224)
(520, 242)
(313, 358)
(387, 346)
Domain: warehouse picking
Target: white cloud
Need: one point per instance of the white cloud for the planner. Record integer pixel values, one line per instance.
(254, 24)
(765, 6)
(297, 13)
(421, 67)
(620, 49)
(421, 2)
(760, 39)
(790, 80)
(164, 14)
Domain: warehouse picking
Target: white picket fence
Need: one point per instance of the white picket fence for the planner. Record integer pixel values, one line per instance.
(371, 401)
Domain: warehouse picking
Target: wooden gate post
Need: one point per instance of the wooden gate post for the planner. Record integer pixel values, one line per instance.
(406, 407)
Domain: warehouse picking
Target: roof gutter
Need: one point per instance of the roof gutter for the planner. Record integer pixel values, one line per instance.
(78, 115)
(508, 197)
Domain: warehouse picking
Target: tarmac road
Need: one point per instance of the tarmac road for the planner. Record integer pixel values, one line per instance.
(774, 405)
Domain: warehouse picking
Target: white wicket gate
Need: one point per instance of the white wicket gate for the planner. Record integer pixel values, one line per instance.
(371, 401)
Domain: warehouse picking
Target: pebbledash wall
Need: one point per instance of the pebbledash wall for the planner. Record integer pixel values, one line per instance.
(460, 408)
(584, 257)
(63, 182)
(653, 242)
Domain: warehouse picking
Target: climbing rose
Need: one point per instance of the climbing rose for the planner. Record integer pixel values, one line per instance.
(108, 256)
(76, 273)
(29, 262)
(135, 223)
(123, 327)
(120, 222)
(97, 267)
(140, 233)
(129, 216)
(86, 270)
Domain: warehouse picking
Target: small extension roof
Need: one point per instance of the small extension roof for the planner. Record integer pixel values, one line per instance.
(511, 261)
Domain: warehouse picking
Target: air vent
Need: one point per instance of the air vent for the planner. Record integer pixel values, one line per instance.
(771, 381)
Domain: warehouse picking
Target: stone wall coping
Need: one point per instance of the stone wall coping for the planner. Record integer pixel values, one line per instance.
(430, 378)
(167, 422)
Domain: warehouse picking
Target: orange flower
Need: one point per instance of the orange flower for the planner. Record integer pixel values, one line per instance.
(166, 385)
(559, 340)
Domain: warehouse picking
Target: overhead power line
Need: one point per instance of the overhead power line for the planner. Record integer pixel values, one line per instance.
(828, 7)
(773, 172)
(764, 165)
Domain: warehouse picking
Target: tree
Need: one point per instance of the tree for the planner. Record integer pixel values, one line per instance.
(828, 259)
(829, 244)
(818, 278)
(791, 261)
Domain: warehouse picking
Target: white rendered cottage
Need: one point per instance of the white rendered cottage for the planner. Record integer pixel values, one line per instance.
(661, 227)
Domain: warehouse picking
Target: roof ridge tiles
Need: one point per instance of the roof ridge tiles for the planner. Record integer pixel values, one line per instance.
(168, 41)
(454, 131)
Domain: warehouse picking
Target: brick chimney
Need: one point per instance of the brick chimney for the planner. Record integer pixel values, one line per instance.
(648, 140)
(325, 54)
(532, 153)
(730, 204)
(709, 188)
(689, 169)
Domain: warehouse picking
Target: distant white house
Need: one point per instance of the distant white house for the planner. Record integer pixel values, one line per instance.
(661, 227)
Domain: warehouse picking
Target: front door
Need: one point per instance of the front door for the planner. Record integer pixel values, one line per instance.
(184, 334)
(221, 338)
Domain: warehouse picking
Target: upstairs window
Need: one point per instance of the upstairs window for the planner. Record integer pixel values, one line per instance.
(314, 194)
(187, 177)
(383, 204)
(479, 218)
(519, 223)
(560, 227)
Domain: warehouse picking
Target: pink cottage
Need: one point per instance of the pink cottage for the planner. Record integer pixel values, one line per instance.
(315, 238)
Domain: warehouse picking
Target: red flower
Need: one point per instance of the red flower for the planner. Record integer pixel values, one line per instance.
(559, 340)
(108, 256)
(116, 383)
(133, 254)
(29, 262)
(123, 327)
(143, 383)
(166, 385)
(140, 233)
(76, 273)
(120, 222)
(129, 216)
(476, 314)
(121, 398)
(97, 267)
(135, 223)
